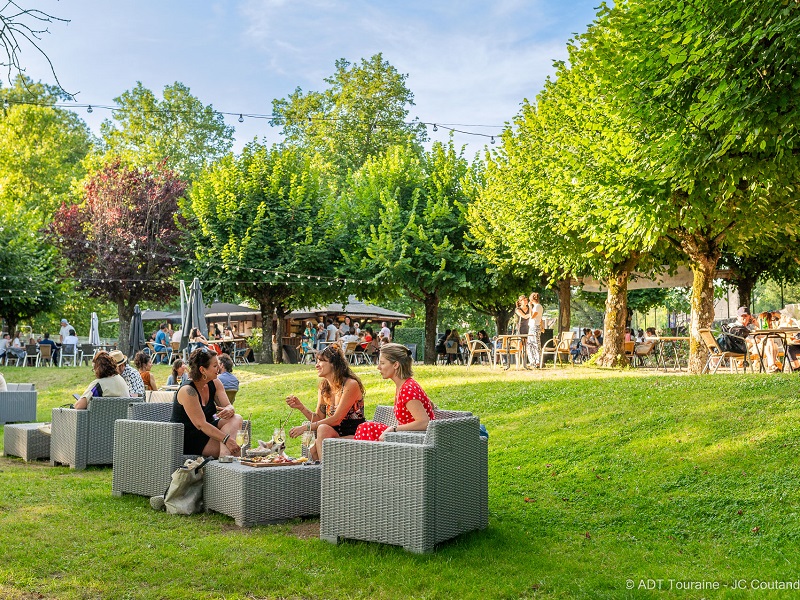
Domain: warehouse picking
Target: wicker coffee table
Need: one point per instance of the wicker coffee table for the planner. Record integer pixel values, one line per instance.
(26, 440)
(256, 496)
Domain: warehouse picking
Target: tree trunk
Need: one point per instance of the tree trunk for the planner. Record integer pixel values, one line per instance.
(744, 288)
(704, 269)
(11, 322)
(616, 314)
(125, 314)
(280, 313)
(431, 316)
(614, 323)
(501, 319)
(564, 308)
(267, 306)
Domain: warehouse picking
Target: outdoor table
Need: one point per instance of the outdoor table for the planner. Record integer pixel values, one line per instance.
(760, 337)
(260, 495)
(507, 341)
(673, 342)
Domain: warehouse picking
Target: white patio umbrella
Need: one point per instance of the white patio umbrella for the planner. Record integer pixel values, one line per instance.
(94, 331)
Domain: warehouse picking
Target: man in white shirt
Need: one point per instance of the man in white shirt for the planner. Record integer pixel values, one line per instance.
(385, 332)
(333, 331)
(176, 336)
(64, 331)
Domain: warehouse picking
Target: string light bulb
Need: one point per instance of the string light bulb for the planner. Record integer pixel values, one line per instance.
(241, 118)
(435, 128)
(493, 139)
(89, 108)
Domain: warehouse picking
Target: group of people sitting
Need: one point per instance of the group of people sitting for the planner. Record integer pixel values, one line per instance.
(15, 347)
(210, 421)
(738, 338)
(316, 337)
(114, 377)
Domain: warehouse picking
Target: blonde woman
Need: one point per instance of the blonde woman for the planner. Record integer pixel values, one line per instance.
(412, 407)
(534, 330)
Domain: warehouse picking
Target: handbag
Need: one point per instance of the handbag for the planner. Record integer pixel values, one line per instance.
(184, 496)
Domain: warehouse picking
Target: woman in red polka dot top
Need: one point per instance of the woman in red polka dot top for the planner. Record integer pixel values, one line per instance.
(412, 407)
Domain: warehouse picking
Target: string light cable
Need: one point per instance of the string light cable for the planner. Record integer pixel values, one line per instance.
(274, 119)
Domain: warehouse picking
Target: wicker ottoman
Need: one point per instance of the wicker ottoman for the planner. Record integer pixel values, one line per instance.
(26, 441)
(254, 496)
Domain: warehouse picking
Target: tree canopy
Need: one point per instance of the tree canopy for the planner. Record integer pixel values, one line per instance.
(178, 131)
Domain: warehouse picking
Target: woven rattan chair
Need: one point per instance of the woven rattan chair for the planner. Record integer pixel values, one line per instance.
(45, 355)
(412, 494)
(86, 437)
(147, 449)
(18, 404)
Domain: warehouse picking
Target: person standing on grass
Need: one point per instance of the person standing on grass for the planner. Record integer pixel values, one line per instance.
(534, 330)
(385, 331)
(412, 407)
(340, 401)
(198, 404)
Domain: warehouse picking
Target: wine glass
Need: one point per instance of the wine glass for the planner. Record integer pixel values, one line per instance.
(279, 436)
(308, 440)
(242, 438)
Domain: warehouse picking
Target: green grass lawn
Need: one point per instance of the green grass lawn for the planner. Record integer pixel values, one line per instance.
(597, 481)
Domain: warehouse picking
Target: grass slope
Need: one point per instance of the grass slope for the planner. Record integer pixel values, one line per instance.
(596, 478)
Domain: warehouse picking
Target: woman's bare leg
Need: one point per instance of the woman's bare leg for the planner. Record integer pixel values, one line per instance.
(323, 432)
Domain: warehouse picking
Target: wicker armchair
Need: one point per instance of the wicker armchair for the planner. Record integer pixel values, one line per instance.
(18, 404)
(147, 449)
(414, 493)
(86, 437)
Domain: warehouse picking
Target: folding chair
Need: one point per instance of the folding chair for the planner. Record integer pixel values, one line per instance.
(558, 348)
(716, 356)
(476, 348)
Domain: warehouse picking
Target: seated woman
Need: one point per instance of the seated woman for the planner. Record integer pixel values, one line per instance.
(195, 337)
(198, 404)
(412, 407)
(340, 401)
(453, 347)
(108, 382)
(143, 365)
(179, 376)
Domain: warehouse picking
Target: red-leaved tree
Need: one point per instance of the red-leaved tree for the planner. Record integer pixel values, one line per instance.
(121, 242)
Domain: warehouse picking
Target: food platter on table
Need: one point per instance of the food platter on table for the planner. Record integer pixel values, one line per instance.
(273, 460)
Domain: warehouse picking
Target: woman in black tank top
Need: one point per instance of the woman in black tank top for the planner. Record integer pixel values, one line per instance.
(340, 401)
(197, 405)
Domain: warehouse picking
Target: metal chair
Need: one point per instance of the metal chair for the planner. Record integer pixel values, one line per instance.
(31, 354)
(45, 355)
(476, 348)
(87, 353)
(508, 348)
(69, 353)
(240, 353)
(558, 348)
(716, 356)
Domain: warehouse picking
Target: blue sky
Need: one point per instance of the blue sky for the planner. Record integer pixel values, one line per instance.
(467, 62)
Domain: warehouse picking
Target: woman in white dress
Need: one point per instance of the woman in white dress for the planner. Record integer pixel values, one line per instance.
(534, 330)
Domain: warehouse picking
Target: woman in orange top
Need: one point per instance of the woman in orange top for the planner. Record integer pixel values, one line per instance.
(143, 365)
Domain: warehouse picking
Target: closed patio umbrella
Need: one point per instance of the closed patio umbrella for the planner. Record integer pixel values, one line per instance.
(94, 331)
(137, 341)
(195, 314)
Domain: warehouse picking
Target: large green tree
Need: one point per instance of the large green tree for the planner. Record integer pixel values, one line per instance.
(362, 112)
(710, 91)
(120, 243)
(409, 211)
(28, 274)
(41, 148)
(178, 131)
(254, 218)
